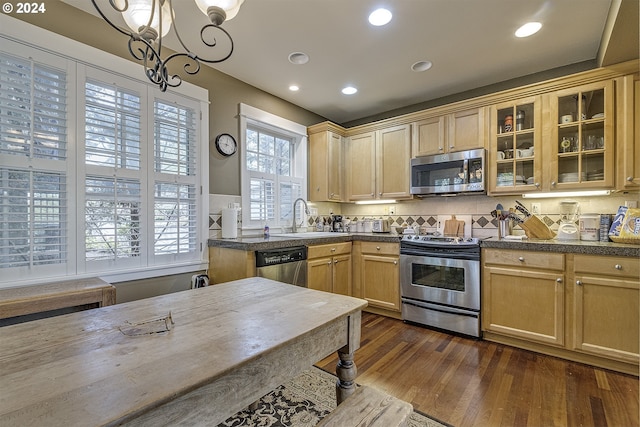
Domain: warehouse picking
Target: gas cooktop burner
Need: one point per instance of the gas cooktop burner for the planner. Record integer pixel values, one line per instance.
(440, 240)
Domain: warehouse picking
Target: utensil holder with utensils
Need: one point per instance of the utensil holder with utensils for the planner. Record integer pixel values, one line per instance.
(504, 228)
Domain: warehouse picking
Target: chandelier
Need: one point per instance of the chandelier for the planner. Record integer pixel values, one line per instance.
(148, 21)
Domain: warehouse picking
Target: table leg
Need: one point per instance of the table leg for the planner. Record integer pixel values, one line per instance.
(346, 371)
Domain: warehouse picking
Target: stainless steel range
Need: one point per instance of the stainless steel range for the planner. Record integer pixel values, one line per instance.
(440, 282)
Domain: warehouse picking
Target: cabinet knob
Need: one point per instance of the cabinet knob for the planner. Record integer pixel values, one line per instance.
(335, 261)
(333, 249)
(553, 183)
(377, 248)
(521, 259)
(380, 193)
(395, 262)
(579, 282)
(537, 184)
(329, 263)
(372, 194)
(559, 280)
(630, 178)
(452, 147)
(618, 267)
(440, 149)
(331, 195)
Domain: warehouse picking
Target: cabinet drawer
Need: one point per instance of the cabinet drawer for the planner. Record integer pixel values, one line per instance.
(607, 265)
(548, 261)
(380, 248)
(321, 251)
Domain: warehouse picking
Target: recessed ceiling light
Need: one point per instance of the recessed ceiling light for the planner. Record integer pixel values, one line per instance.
(380, 17)
(298, 58)
(349, 90)
(528, 29)
(421, 66)
(294, 88)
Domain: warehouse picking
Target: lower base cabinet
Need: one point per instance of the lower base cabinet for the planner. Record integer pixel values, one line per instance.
(377, 275)
(329, 268)
(578, 307)
(606, 291)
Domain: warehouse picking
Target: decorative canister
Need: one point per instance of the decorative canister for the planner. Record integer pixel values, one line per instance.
(520, 120)
(508, 123)
(589, 226)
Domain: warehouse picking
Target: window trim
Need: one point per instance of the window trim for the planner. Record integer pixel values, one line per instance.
(252, 116)
(48, 43)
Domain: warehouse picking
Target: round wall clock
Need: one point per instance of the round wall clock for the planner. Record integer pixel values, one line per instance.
(226, 144)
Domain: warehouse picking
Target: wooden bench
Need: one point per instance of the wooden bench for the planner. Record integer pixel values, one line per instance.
(369, 407)
(37, 301)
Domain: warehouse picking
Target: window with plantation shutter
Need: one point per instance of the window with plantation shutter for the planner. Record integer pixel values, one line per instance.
(34, 218)
(101, 173)
(33, 109)
(175, 219)
(175, 209)
(113, 216)
(33, 166)
(274, 175)
(112, 126)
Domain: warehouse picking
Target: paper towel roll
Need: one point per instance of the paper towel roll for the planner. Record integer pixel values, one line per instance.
(229, 223)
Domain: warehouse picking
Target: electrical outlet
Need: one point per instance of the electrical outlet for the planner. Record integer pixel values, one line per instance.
(535, 208)
(633, 204)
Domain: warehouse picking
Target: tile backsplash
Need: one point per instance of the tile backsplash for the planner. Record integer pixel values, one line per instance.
(424, 212)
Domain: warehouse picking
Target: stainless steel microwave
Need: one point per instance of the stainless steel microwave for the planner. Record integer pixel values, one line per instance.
(452, 173)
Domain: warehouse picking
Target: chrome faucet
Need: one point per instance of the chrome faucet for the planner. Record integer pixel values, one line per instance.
(306, 210)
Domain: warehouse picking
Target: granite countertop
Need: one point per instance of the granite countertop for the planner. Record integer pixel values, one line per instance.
(576, 247)
(306, 239)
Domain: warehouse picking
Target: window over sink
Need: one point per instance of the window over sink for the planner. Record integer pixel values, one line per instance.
(274, 172)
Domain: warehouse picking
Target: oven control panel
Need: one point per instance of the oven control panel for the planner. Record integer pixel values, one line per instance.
(440, 240)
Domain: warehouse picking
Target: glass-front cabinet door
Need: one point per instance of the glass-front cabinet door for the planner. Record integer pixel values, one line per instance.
(581, 149)
(515, 146)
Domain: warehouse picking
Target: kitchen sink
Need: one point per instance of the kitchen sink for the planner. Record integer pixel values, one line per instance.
(310, 234)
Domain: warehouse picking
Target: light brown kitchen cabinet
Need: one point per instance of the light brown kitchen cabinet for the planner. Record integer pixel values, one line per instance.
(459, 131)
(377, 274)
(628, 133)
(361, 166)
(580, 124)
(515, 147)
(377, 164)
(329, 268)
(326, 147)
(523, 295)
(606, 295)
(227, 264)
(579, 307)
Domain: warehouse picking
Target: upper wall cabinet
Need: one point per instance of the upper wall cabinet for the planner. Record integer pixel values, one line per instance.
(377, 164)
(463, 130)
(326, 150)
(628, 133)
(515, 152)
(580, 147)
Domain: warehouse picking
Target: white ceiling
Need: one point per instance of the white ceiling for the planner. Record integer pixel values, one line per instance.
(470, 42)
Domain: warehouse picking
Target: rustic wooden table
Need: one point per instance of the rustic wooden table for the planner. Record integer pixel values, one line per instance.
(228, 345)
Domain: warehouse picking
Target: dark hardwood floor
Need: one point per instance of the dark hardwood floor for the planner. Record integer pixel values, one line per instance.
(465, 382)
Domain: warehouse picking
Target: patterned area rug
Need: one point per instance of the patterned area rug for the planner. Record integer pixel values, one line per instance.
(302, 402)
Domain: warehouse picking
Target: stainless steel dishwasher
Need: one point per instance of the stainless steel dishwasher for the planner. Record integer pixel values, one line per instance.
(287, 265)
